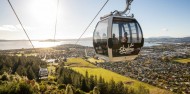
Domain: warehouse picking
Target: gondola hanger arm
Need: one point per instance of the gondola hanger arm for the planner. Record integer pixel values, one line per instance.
(120, 13)
(128, 3)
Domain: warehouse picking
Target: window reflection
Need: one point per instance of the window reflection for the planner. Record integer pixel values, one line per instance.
(127, 37)
(100, 38)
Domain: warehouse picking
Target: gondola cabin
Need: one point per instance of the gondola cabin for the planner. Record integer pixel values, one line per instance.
(43, 73)
(118, 38)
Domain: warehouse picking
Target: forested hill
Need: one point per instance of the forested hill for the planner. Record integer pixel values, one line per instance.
(24, 66)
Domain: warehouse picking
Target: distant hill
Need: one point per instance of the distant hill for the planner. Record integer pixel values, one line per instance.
(168, 39)
(87, 38)
(161, 37)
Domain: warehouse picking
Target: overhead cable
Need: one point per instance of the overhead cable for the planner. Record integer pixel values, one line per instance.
(21, 24)
(91, 22)
(56, 20)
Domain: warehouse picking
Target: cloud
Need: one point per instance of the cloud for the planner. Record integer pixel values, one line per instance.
(8, 28)
(12, 28)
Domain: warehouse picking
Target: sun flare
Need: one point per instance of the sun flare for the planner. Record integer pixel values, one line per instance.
(39, 44)
(43, 11)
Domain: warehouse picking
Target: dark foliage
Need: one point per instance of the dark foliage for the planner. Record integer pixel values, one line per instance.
(16, 88)
(24, 66)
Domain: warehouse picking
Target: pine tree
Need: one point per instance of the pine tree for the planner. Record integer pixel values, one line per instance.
(30, 73)
(120, 89)
(95, 80)
(102, 86)
(15, 66)
(87, 78)
(21, 70)
(86, 74)
(112, 87)
(84, 86)
(91, 82)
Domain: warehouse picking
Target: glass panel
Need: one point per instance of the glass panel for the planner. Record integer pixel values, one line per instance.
(127, 34)
(134, 32)
(125, 37)
(115, 37)
(100, 38)
(140, 33)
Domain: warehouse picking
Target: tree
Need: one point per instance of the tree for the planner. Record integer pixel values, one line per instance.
(112, 87)
(30, 74)
(87, 78)
(69, 89)
(21, 70)
(5, 77)
(95, 80)
(84, 86)
(120, 88)
(78, 91)
(62, 86)
(15, 66)
(25, 89)
(102, 86)
(86, 74)
(91, 82)
(96, 91)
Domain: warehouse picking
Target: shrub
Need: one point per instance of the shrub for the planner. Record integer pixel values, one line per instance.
(5, 77)
(62, 86)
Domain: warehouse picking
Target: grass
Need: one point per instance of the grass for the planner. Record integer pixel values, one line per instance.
(93, 60)
(78, 64)
(180, 60)
(108, 75)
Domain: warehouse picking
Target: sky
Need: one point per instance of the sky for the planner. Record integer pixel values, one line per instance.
(156, 17)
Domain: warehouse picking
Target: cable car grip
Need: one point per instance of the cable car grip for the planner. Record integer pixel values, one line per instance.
(119, 13)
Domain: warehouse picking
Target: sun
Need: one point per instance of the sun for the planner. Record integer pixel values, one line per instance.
(43, 11)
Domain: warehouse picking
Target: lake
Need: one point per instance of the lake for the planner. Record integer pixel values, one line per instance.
(6, 45)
